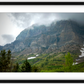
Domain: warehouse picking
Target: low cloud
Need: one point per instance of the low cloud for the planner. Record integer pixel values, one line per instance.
(27, 19)
(8, 38)
(24, 20)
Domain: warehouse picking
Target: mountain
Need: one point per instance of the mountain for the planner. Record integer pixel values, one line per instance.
(61, 36)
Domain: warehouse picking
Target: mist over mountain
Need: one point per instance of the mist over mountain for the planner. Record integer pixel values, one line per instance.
(59, 36)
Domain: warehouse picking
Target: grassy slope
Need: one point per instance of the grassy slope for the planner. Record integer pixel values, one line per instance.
(45, 62)
(50, 62)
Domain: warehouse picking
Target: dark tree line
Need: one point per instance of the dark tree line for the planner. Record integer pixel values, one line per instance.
(6, 64)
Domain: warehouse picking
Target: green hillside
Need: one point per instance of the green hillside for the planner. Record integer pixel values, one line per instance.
(52, 62)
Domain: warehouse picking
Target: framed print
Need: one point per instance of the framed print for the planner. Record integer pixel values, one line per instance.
(41, 42)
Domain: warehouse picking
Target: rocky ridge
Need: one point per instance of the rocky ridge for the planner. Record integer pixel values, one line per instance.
(61, 36)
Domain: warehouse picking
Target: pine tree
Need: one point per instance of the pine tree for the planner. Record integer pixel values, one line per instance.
(16, 68)
(34, 69)
(5, 61)
(26, 67)
(8, 58)
(68, 62)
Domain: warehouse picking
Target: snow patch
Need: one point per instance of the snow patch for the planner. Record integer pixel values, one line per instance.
(31, 58)
(74, 63)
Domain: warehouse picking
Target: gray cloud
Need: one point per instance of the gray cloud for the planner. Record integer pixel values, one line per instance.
(79, 17)
(27, 19)
(8, 38)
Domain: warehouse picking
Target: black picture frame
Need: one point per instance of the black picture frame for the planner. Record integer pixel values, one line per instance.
(41, 81)
(42, 3)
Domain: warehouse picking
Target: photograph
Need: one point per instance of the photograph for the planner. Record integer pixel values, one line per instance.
(41, 42)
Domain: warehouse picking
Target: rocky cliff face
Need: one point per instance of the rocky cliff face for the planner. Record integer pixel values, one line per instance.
(64, 35)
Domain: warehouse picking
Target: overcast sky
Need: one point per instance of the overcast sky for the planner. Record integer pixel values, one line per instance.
(11, 24)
